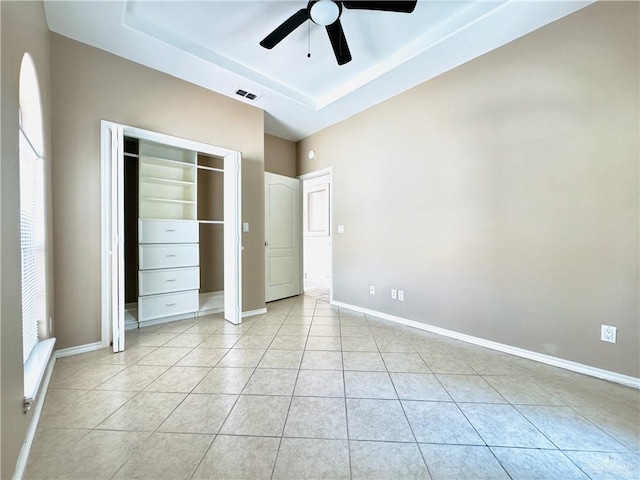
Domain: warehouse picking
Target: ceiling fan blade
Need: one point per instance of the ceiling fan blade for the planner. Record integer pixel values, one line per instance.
(285, 28)
(385, 6)
(339, 42)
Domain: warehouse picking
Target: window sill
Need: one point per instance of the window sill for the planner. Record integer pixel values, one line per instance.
(34, 370)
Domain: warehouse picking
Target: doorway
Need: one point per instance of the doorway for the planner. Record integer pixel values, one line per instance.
(317, 235)
(113, 220)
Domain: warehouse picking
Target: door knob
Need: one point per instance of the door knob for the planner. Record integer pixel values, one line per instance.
(266, 244)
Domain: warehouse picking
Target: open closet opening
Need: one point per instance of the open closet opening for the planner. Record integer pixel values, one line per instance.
(211, 224)
(173, 233)
(131, 155)
(171, 230)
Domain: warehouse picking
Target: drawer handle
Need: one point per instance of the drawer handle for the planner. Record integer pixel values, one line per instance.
(169, 230)
(170, 255)
(171, 279)
(170, 304)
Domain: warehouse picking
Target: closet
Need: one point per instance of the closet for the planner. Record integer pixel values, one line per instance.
(173, 233)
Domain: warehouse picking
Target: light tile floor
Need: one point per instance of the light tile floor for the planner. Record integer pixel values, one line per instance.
(312, 391)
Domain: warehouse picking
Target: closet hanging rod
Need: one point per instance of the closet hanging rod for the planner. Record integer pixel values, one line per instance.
(214, 222)
(221, 170)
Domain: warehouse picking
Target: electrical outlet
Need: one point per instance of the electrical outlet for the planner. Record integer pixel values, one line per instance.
(394, 293)
(608, 333)
(401, 295)
(372, 289)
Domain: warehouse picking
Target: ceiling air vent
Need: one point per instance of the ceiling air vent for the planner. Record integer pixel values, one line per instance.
(248, 95)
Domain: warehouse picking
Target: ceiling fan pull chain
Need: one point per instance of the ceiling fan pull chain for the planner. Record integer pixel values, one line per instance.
(309, 39)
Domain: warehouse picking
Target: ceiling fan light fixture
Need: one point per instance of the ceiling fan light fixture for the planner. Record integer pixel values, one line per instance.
(327, 14)
(324, 12)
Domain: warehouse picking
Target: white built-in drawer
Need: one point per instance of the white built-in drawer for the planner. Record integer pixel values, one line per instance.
(151, 282)
(168, 256)
(166, 305)
(167, 231)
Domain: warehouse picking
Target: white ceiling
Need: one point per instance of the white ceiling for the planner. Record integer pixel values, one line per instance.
(215, 44)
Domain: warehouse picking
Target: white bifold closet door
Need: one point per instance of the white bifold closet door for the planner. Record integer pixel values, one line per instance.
(116, 141)
(232, 239)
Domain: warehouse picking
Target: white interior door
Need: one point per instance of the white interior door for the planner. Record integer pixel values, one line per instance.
(317, 231)
(232, 239)
(282, 232)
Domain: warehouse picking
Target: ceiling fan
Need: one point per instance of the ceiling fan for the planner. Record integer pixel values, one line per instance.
(327, 13)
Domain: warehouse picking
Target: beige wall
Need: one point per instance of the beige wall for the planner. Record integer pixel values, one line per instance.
(279, 156)
(24, 30)
(89, 85)
(211, 207)
(503, 196)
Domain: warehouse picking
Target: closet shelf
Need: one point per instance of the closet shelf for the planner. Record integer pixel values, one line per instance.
(164, 161)
(167, 200)
(166, 181)
(214, 222)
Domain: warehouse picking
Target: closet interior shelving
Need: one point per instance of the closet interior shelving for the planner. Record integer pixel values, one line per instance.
(164, 223)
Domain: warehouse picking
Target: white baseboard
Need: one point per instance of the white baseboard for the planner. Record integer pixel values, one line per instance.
(251, 313)
(21, 464)
(211, 302)
(131, 316)
(210, 311)
(310, 283)
(160, 321)
(501, 347)
(89, 347)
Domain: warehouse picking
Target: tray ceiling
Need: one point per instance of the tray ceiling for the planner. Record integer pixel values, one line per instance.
(215, 44)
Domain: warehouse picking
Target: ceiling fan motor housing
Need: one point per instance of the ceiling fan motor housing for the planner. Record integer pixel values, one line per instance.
(324, 12)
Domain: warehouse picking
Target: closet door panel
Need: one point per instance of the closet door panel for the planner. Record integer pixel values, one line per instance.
(169, 256)
(167, 231)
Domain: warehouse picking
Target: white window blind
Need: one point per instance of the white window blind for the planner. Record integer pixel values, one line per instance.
(32, 240)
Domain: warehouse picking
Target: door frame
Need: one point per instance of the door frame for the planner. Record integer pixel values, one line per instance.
(309, 176)
(112, 222)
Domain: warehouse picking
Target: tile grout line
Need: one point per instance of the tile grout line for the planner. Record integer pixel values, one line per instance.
(284, 425)
(346, 409)
(150, 433)
(175, 408)
(407, 417)
(551, 441)
(473, 426)
(139, 448)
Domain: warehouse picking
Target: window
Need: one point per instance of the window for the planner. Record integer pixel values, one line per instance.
(32, 209)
